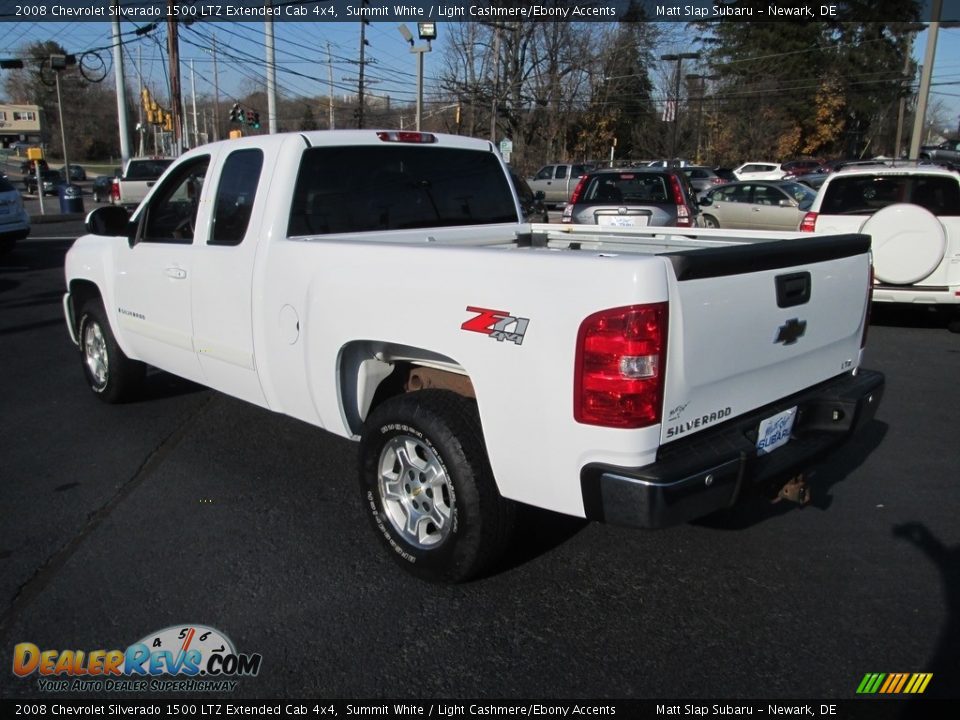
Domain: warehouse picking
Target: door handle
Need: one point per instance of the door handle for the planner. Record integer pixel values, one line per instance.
(176, 273)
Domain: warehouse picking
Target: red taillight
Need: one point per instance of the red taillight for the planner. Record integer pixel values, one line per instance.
(115, 190)
(683, 212)
(578, 190)
(620, 365)
(809, 222)
(406, 137)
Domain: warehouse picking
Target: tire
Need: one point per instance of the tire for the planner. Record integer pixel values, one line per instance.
(709, 221)
(96, 196)
(427, 486)
(112, 376)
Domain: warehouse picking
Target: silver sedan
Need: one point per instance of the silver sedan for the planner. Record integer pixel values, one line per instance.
(756, 205)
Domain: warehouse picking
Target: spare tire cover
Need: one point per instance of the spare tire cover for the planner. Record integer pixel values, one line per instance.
(908, 243)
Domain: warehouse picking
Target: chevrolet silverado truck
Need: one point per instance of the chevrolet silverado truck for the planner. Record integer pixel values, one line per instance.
(381, 285)
(139, 175)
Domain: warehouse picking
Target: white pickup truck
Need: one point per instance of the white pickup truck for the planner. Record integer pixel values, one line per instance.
(380, 285)
(138, 176)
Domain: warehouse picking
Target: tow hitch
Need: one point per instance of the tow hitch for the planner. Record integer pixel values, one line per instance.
(795, 490)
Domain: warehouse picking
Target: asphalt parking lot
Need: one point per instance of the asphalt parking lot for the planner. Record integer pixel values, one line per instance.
(192, 507)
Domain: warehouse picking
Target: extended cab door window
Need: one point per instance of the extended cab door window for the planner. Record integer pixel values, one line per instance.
(171, 215)
(235, 196)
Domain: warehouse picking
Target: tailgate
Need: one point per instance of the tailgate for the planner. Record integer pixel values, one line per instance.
(751, 324)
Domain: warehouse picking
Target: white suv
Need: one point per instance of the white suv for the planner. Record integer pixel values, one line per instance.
(759, 171)
(913, 216)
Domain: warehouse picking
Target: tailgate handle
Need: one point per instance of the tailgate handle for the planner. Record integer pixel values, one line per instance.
(793, 289)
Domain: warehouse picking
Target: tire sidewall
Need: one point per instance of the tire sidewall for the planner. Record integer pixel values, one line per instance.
(88, 316)
(451, 558)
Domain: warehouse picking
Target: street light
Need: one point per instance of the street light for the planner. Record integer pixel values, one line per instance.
(58, 63)
(427, 31)
(678, 58)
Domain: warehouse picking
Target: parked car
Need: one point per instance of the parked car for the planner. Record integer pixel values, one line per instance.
(912, 214)
(812, 180)
(14, 219)
(759, 171)
(948, 151)
(702, 178)
(532, 204)
(77, 173)
(757, 205)
(26, 167)
(103, 186)
(633, 198)
(795, 168)
(51, 179)
(725, 173)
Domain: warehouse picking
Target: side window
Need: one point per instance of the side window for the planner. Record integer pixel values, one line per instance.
(561, 172)
(235, 196)
(545, 173)
(763, 195)
(172, 213)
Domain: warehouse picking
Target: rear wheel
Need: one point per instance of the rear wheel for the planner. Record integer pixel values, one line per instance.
(112, 376)
(428, 488)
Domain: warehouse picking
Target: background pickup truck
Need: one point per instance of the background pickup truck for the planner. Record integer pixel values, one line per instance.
(558, 181)
(948, 151)
(139, 175)
(380, 285)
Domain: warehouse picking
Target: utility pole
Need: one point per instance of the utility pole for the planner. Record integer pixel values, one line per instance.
(271, 71)
(142, 130)
(193, 95)
(176, 106)
(216, 91)
(496, 83)
(925, 76)
(363, 46)
(121, 89)
(330, 83)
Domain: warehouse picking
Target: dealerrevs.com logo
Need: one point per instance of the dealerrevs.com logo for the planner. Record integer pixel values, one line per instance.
(180, 658)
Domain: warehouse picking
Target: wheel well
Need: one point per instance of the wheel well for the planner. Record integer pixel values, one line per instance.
(372, 372)
(81, 291)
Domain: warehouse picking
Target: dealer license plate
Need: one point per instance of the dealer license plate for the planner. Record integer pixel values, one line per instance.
(775, 431)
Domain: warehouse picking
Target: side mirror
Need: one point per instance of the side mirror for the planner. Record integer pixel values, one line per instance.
(787, 203)
(539, 195)
(705, 201)
(111, 220)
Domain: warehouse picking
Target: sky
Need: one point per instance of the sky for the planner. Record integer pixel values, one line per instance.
(302, 60)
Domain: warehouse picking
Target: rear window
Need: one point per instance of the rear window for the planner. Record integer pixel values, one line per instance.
(865, 194)
(637, 188)
(394, 187)
(146, 169)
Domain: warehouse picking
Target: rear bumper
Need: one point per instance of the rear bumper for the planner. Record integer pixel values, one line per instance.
(917, 294)
(707, 472)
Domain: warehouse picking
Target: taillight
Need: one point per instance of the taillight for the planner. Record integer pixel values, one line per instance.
(620, 365)
(683, 212)
(406, 137)
(115, 190)
(809, 222)
(578, 190)
(866, 319)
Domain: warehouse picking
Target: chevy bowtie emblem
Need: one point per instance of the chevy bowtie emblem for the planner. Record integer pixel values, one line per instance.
(791, 331)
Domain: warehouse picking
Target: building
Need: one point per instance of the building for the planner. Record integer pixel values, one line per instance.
(21, 126)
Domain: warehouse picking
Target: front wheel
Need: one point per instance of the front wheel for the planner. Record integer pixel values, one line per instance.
(112, 376)
(709, 221)
(428, 488)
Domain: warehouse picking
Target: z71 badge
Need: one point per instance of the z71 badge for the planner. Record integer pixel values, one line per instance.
(498, 324)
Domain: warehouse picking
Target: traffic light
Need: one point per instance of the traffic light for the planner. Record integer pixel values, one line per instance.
(168, 122)
(253, 120)
(241, 116)
(235, 113)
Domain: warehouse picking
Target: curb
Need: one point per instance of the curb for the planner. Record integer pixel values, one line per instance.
(51, 218)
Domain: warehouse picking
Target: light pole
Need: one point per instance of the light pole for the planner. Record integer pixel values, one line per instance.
(427, 31)
(703, 91)
(678, 58)
(58, 63)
